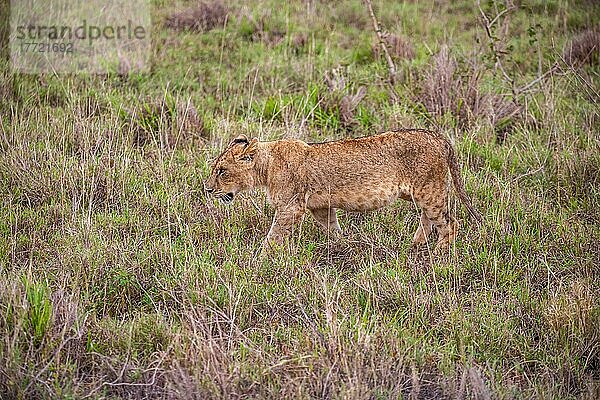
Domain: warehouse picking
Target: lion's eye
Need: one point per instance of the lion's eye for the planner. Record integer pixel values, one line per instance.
(220, 171)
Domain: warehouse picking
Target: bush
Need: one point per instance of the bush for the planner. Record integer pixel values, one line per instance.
(444, 90)
(201, 18)
(584, 48)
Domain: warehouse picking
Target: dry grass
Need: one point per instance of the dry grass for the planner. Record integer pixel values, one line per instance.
(398, 46)
(446, 90)
(166, 123)
(352, 14)
(299, 41)
(584, 48)
(200, 18)
(340, 99)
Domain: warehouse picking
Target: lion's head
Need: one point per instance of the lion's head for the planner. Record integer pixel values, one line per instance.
(233, 172)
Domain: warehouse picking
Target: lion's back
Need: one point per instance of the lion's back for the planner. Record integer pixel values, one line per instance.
(363, 173)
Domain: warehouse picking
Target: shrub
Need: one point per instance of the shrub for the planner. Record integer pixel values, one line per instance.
(201, 18)
(444, 90)
(341, 99)
(584, 48)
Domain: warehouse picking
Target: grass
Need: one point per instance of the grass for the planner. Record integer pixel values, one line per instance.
(119, 278)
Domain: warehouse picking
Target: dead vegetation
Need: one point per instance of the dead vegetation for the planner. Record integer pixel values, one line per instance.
(583, 49)
(341, 98)
(352, 14)
(33, 184)
(200, 18)
(445, 89)
(299, 42)
(399, 47)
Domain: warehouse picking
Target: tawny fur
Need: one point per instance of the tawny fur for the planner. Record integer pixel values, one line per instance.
(353, 174)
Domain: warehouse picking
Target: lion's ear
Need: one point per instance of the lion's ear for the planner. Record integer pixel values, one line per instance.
(241, 139)
(250, 150)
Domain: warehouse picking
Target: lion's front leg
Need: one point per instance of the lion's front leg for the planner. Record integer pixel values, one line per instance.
(283, 225)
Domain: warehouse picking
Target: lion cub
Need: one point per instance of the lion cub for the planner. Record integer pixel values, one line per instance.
(352, 174)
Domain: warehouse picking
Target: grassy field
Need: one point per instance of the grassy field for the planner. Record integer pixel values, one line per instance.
(120, 278)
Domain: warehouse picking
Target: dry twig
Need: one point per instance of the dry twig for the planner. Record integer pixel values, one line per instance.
(382, 43)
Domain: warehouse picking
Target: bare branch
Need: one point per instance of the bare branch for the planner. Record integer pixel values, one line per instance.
(493, 40)
(516, 91)
(381, 40)
(539, 79)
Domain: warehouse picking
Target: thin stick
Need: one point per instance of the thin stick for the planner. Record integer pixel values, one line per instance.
(487, 24)
(388, 58)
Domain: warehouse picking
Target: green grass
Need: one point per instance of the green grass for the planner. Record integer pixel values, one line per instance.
(119, 278)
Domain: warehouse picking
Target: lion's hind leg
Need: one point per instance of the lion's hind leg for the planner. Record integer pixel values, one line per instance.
(327, 219)
(447, 228)
(424, 230)
(433, 202)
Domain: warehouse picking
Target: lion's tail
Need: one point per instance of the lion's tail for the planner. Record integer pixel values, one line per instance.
(458, 183)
